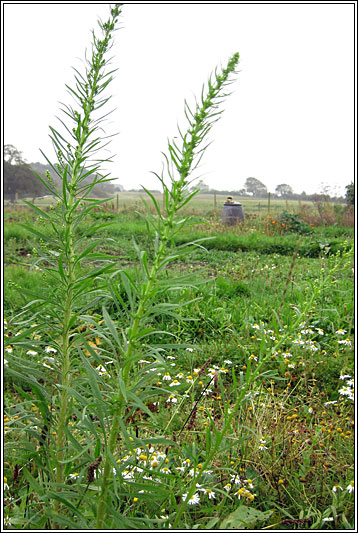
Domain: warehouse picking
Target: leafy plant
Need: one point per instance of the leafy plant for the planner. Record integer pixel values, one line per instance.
(166, 226)
(294, 224)
(64, 250)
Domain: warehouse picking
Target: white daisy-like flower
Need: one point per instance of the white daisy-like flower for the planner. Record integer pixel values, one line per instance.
(172, 399)
(31, 352)
(328, 519)
(336, 487)
(345, 391)
(341, 331)
(189, 349)
(167, 377)
(175, 383)
(332, 402)
(347, 342)
(228, 487)
(8, 349)
(228, 362)
(189, 379)
(206, 392)
(161, 456)
(262, 444)
(350, 487)
(320, 331)
(126, 474)
(310, 409)
(346, 376)
(210, 493)
(195, 499)
(6, 362)
(49, 349)
(350, 383)
(165, 470)
(101, 370)
(248, 482)
(255, 326)
(235, 479)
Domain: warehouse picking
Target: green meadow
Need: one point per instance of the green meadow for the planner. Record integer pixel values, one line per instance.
(286, 462)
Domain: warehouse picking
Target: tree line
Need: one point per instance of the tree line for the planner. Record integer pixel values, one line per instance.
(20, 180)
(254, 188)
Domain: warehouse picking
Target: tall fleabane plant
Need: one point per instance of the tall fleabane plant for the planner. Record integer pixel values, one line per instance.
(65, 249)
(182, 160)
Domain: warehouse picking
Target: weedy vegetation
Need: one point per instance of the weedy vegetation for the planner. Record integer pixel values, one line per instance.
(163, 370)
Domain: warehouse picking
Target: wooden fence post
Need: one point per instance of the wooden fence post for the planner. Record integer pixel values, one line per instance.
(117, 202)
(215, 201)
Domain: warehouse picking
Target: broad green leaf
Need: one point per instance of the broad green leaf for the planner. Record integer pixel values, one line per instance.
(244, 518)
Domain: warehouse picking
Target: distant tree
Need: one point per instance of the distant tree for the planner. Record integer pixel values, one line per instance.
(20, 180)
(242, 192)
(203, 187)
(283, 190)
(255, 187)
(350, 193)
(12, 154)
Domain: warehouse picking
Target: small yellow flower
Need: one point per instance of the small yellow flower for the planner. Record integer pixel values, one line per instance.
(135, 500)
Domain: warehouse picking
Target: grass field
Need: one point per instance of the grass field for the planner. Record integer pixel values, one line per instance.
(271, 307)
(202, 203)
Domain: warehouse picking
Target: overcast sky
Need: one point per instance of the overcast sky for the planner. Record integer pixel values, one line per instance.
(289, 120)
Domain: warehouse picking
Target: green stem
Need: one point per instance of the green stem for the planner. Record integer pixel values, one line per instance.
(147, 291)
(183, 163)
(82, 134)
(65, 379)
